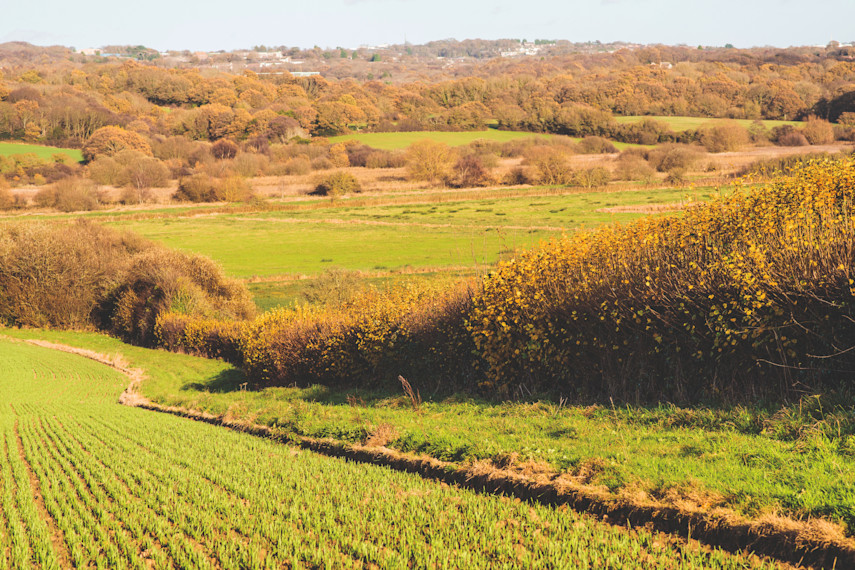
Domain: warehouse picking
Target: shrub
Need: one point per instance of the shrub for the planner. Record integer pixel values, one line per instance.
(333, 287)
(196, 188)
(633, 168)
(68, 195)
(139, 174)
(321, 163)
(676, 177)
(357, 153)
(54, 274)
(724, 137)
(7, 200)
(337, 184)
(669, 156)
(233, 189)
(595, 145)
(517, 176)
(158, 281)
(470, 171)
(792, 138)
(549, 165)
(817, 131)
(297, 166)
(250, 164)
(204, 188)
(385, 159)
(592, 177)
(429, 161)
(224, 149)
(729, 300)
(75, 195)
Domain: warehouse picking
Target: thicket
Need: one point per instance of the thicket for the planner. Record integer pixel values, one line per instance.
(82, 275)
(751, 296)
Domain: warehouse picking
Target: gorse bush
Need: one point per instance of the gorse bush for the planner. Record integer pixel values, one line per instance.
(750, 296)
(337, 184)
(744, 296)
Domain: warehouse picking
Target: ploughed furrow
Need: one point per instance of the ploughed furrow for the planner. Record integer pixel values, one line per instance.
(127, 488)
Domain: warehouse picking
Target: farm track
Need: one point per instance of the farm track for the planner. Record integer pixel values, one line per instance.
(788, 541)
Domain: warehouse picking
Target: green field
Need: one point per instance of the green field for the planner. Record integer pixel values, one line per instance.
(393, 141)
(753, 461)
(45, 152)
(468, 233)
(693, 123)
(89, 483)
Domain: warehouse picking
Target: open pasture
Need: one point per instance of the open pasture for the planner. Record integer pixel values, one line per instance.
(89, 483)
(693, 123)
(44, 152)
(384, 237)
(396, 141)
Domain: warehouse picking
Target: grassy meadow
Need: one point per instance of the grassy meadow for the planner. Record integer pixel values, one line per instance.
(396, 141)
(378, 237)
(89, 483)
(44, 152)
(694, 123)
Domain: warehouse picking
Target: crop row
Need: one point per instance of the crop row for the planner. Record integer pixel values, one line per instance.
(87, 483)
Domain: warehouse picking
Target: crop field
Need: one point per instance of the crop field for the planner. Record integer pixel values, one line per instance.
(89, 483)
(748, 461)
(692, 123)
(469, 233)
(45, 152)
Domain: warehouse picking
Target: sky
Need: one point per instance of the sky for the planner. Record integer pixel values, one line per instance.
(232, 24)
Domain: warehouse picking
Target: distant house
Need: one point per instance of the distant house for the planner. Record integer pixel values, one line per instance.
(305, 73)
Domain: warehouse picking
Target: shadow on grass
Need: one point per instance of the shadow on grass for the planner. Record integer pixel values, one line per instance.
(231, 380)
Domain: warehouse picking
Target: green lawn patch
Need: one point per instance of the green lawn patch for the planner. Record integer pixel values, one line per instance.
(693, 123)
(44, 152)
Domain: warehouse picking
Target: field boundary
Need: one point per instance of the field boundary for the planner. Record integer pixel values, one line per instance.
(815, 543)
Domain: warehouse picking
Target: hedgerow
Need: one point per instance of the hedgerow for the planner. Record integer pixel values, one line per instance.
(748, 296)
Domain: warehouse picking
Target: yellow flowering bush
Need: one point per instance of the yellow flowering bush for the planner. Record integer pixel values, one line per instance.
(750, 295)
(747, 294)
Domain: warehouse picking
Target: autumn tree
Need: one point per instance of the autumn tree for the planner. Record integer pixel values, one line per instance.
(109, 141)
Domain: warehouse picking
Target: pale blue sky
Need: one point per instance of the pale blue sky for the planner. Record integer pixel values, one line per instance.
(230, 24)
